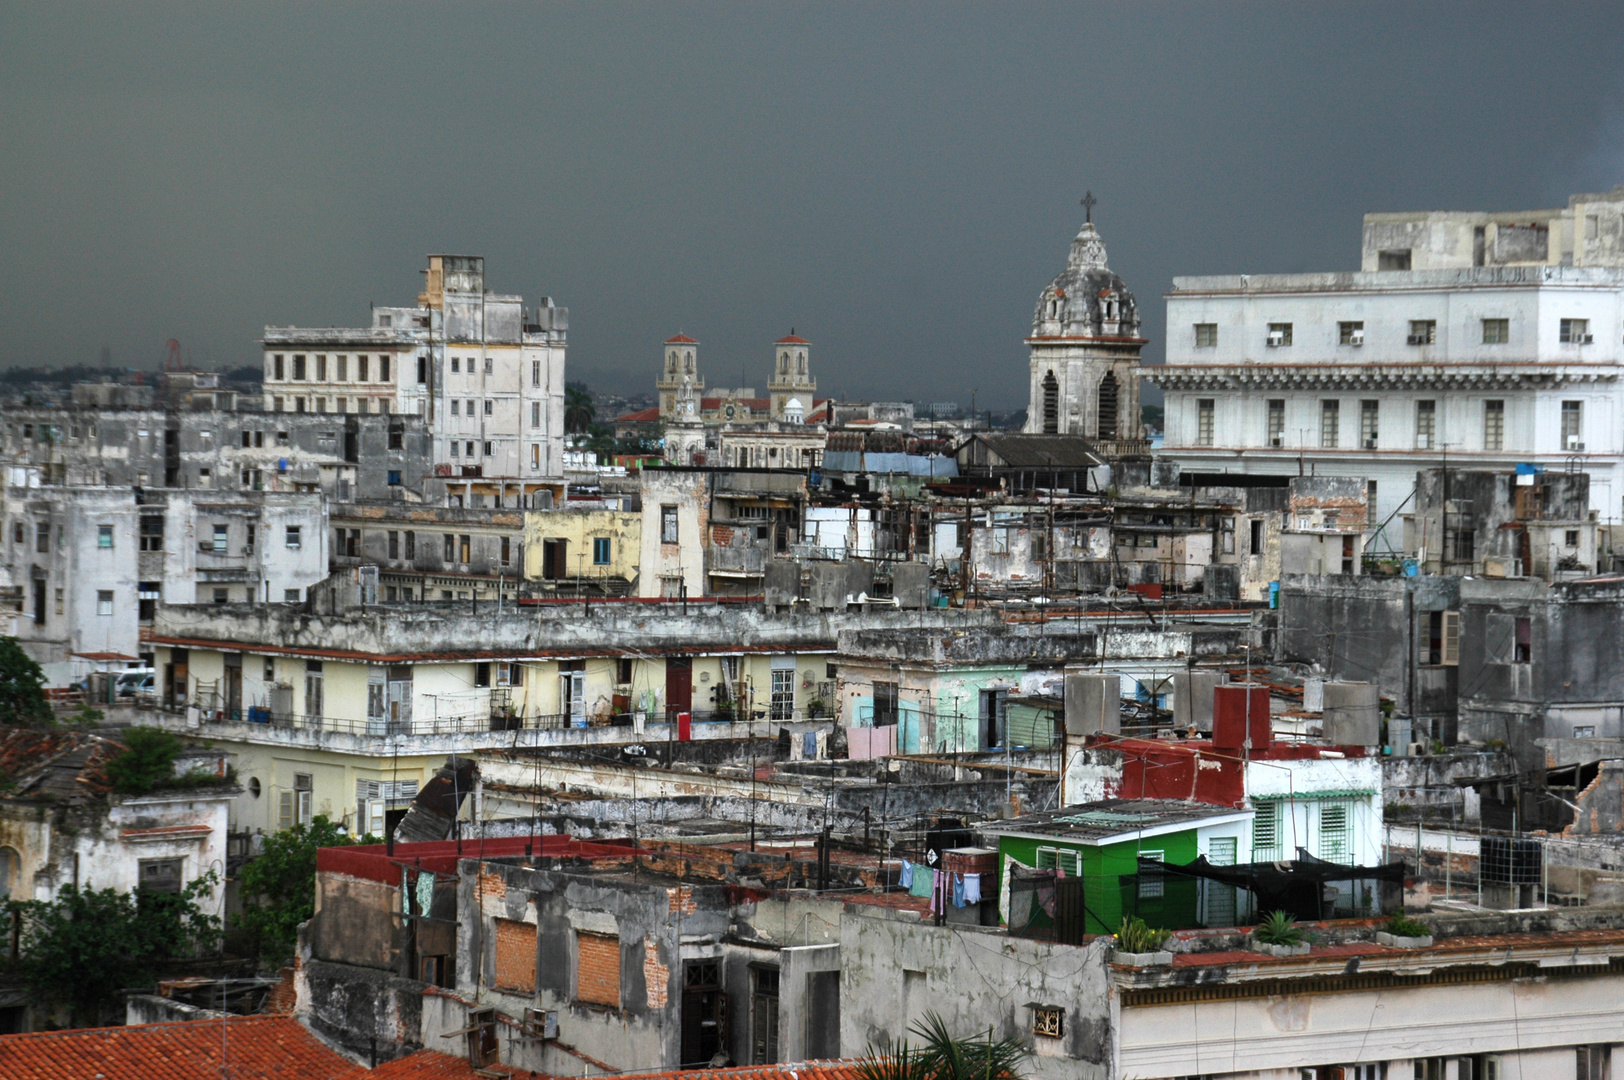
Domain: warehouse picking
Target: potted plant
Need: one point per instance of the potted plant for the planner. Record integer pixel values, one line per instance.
(1403, 933)
(1139, 945)
(1279, 935)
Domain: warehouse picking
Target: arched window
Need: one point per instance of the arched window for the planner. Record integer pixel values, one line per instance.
(1107, 412)
(1051, 405)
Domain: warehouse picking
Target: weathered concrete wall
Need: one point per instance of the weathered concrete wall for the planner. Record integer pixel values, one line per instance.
(895, 969)
(354, 922)
(1364, 629)
(369, 1014)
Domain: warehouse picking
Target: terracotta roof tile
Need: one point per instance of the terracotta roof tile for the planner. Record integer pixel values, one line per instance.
(255, 1046)
(680, 339)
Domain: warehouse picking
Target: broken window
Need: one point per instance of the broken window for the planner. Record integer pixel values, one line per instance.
(1398, 259)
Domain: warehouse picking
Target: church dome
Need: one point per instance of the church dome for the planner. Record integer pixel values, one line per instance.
(1086, 299)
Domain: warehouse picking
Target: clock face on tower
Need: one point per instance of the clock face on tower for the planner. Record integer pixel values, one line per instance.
(729, 412)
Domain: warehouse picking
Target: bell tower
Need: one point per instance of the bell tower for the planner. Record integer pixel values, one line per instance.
(792, 382)
(680, 366)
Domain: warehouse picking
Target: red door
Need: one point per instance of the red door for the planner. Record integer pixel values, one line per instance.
(679, 686)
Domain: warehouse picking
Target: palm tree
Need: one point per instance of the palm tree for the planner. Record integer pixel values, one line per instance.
(942, 1057)
(579, 411)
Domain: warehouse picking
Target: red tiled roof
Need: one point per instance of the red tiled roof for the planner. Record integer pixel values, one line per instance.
(680, 339)
(641, 416)
(255, 1046)
(792, 340)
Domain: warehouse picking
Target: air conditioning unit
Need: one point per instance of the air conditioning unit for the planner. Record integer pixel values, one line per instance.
(1588, 339)
(1416, 339)
(1370, 444)
(1276, 339)
(1358, 338)
(1574, 443)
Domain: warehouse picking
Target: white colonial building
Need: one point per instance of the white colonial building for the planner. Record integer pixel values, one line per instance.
(485, 371)
(1480, 342)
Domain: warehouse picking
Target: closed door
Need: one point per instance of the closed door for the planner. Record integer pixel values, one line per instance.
(679, 685)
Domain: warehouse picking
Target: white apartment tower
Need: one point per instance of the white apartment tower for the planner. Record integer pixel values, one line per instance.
(1469, 339)
(485, 370)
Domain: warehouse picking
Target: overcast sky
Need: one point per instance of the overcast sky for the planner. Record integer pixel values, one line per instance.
(895, 182)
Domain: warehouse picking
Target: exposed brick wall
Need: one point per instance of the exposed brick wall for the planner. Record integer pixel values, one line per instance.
(597, 968)
(682, 899)
(490, 887)
(515, 956)
(656, 976)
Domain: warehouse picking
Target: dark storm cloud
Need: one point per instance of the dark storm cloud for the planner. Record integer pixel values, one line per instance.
(895, 182)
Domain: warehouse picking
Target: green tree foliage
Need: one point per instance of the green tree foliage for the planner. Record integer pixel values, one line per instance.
(279, 887)
(940, 1056)
(22, 694)
(79, 950)
(147, 763)
(579, 410)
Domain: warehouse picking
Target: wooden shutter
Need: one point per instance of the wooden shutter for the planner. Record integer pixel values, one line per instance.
(1451, 647)
(284, 810)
